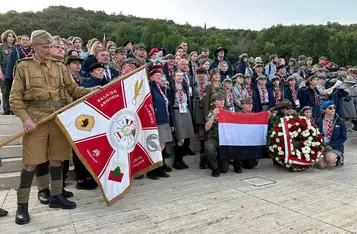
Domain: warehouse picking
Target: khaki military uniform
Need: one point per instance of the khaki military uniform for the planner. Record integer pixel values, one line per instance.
(115, 65)
(39, 89)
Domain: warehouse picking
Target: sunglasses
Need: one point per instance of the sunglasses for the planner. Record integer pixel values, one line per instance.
(331, 107)
(289, 108)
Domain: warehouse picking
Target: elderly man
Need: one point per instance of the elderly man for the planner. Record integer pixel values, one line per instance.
(32, 99)
(120, 56)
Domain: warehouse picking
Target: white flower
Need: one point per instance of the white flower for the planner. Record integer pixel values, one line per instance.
(271, 148)
(309, 139)
(299, 130)
(314, 134)
(290, 161)
(297, 124)
(293, 152)
(280, 153)
(277, 140)
(312, 152)
(289, 125)
(279, 125)
(279, 148)
(280, 133)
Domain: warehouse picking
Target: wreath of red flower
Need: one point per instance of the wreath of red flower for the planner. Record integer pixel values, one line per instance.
(304, 142)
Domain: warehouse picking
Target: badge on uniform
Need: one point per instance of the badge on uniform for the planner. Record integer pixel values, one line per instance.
(85, 122)
(183, 108)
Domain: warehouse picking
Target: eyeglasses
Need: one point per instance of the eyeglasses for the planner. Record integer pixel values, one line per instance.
(289, 108)
(331, 107)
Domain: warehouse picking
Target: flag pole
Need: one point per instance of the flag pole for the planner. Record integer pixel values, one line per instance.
(72, 104)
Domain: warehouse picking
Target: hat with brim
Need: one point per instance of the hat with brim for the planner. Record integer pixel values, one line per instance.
(246, 100)
(258, 65)
(311, 78)
(244, 55)
(227, 80)
(237, 75)
(219, 49)
(315, 69)
(326, 104)
(350, 80)
(121, 50)
(275, 78)
(72, 58)
(322, 76)
(95, 66)
(262, 77)
(258, 60)
(169, 56)
(290, 78)
(205, 49)
(305, 108)
(285, 104)
(218, 96)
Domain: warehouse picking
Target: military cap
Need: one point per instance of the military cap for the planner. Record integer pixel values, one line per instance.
(169, 56)
(259, 60)
(244, 55)
(139, 46)
(302, 57)
(302, 63)
(322, 58)
(72, 58)
(275, 77)
(262, 77)
(57, 40)
(292, 59)
(246, 100)
(41, 37)
(129, 61)
(342, 69)
(204, 49)
(218, 96)
(308, 58)
(121, 49)
(214, 71)
(95, 66)
(334, 75)
(315, 69)
(251, 60)
(227, 80)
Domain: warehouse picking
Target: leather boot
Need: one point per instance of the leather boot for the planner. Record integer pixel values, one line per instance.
(44, 196)
(67, 194)
(22, 214)
(59, 201)
(3, 212)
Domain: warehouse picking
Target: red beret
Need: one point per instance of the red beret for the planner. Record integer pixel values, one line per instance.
(158, 66)
(154, 71)
(152, 51)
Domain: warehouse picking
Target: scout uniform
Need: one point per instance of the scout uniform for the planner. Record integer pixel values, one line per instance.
(208, 92)
(277, 91)
(229, 100)
(77, 78)
(39, 89)
(291, 93)
(264, 96)
(238, 92)
(5, 52)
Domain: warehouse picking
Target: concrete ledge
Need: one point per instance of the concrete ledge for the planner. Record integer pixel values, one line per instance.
(11, 165)
(11, 151)
(18, 141)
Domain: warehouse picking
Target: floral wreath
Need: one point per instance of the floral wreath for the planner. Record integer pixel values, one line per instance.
(295, 142)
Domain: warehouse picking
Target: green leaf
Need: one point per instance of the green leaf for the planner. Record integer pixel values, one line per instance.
(117, 172)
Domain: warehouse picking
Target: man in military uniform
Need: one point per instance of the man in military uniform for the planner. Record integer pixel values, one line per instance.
(40, 87)
(139, 51)
(217, 162)
(120, 55)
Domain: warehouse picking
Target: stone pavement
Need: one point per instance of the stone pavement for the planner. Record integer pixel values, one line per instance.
(266, 199)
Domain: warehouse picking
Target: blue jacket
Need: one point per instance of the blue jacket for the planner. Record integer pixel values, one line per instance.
(166, 71)
(161, 114)
(90, 82)
(307, 98)
(241, 66)
(339, 134)
(257, 105)
(215, 63)
(15, 56)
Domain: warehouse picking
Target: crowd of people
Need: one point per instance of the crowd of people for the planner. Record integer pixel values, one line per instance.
(188, 89)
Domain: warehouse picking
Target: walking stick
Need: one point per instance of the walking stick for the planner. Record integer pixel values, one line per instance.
(72, 104)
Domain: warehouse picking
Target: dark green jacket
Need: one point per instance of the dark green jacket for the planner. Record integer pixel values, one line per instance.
(4, 57)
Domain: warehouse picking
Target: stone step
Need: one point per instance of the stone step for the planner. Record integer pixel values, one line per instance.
(11, 151)
(10, 120)
(18, 141)
(11, 165)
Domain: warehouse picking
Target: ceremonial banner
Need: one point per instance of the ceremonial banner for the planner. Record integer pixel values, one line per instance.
(114, 133)
(242, 136)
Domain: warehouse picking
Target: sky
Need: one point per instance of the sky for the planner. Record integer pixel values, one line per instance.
(237, 14)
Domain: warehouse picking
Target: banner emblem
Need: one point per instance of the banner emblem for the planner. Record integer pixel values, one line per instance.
(85, 122)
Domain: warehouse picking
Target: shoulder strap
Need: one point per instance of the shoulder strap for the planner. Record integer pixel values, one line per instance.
(62, 85)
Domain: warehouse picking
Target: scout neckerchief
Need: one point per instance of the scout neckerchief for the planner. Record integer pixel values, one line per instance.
(277, 96)
(230, 97)
(165, 98)
(329, 128)
(202, 88)
(26, 54)
(240, 89)
(180, 94)
(263, 95)
(250, 92)
(171, 70)
(9, 50)
(317, 102)
(293, 92)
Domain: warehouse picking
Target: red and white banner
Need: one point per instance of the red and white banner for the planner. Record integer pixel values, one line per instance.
(115, 134)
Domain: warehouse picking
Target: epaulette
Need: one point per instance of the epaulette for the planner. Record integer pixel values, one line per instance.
(57, 61)
(24, 61)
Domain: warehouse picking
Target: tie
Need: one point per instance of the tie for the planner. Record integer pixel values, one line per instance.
(263, 96)
(329, 129)
(277, 97)
(107, 75)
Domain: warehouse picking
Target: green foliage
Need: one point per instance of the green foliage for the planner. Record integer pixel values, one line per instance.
(337, 42)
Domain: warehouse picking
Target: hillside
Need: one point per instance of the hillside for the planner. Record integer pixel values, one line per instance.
(337, 42)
